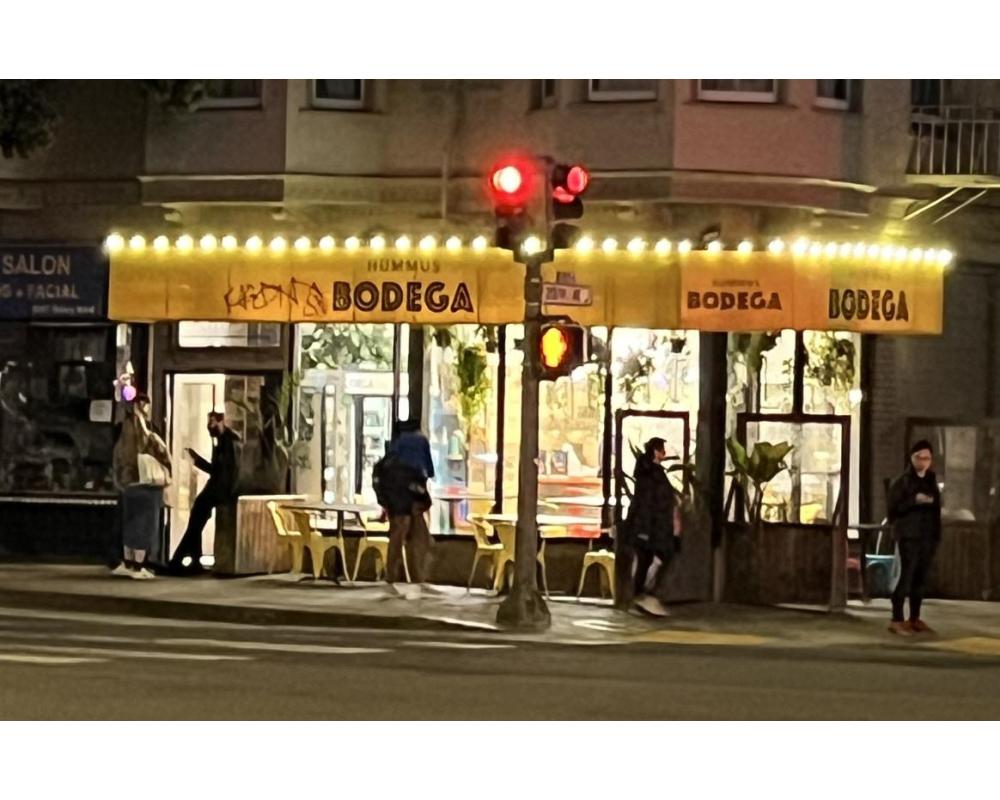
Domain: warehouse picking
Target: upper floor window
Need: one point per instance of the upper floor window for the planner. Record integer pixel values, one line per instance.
(615, 89)
(739, 90)
(343, 94)
(231, 94)
(834, 93)
(926, 93)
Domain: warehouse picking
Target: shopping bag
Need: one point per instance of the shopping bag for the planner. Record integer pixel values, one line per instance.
(152, 472)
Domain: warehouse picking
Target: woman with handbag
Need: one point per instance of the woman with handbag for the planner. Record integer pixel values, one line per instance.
(141, 471)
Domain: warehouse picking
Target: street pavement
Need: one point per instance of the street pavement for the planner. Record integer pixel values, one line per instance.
(64, 664)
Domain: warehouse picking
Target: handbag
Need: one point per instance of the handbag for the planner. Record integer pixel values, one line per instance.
(152, 472)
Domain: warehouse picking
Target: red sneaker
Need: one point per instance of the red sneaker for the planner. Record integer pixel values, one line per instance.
(900, 628)
(919, 626)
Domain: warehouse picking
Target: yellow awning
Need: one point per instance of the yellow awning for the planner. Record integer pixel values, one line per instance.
(843, 288)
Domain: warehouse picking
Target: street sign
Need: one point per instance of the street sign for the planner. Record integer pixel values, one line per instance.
(566, 294)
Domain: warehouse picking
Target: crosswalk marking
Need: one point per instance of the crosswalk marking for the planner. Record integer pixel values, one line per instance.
(114, 653)
(25, 658)
(700, 638)
(458, 645)
(272, 646)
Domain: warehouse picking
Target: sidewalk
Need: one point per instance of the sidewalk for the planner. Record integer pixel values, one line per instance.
(966, 627)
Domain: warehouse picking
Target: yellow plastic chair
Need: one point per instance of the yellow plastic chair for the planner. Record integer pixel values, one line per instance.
(486, 549)
(603, 560)
(319, 545)
(294, 539)
(507, 533)
(379, 544)
(553, 531)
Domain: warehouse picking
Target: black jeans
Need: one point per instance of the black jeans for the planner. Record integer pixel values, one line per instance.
(644, 556)
(915, 557)
(201, 512)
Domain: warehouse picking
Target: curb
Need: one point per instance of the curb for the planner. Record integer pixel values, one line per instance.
(213, 612)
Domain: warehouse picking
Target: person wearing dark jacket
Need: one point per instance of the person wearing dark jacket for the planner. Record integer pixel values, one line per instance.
(223, 471)
(400, 483)
(649, 528)
(915, 514)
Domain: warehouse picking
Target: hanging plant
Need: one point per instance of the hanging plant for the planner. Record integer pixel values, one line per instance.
(831, 361)
(27, 118)
(473, 376)
(175, 96)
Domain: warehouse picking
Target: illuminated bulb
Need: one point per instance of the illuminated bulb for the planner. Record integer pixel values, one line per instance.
(479, 244)
(684, 246)
(585, 244)
(777, 246)
(830, 250)
(800, 247)
(114, 242)
(302, 244)
(403, 243)
(873, 251)
(745, 247)
(636, 245)
(845, 250)
(327, 243)
(377, 243)
(453, 243)
(185, 243)
(663, 246)
(428, 243)
(901, 253)
(930, 256)
(352, 243)
(815, 249)
(254, 244)
(532, 245)
(208, 243)
(137, 242)
(609, 245)
(714, 246)
(888, 251)
(161, 244)
(944, 258)
(229, 242)
(916, 254)
(278, 244)
(859, 250)
(855, 396)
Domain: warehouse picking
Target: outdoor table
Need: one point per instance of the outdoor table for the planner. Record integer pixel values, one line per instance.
(453, 496)
(592, 526)
(340, 509)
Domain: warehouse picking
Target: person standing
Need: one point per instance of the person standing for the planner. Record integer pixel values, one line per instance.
(140, 496)
(915, 514)
(223, 471)
(400, 482)
(649, 528)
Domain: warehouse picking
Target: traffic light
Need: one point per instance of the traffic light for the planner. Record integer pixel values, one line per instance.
(513, 186)
(568, 183)
(562, 348)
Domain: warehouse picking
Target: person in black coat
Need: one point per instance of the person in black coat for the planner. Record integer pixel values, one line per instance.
(649, 528)
(401, 489)
(915, 514)
(223, 472)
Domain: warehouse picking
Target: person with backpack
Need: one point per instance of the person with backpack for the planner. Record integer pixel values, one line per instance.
(400, 483)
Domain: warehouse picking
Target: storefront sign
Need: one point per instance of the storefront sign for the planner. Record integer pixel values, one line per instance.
(52, 282)
(736, 292)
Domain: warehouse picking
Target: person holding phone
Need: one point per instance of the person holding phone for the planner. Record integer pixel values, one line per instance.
(915, 514)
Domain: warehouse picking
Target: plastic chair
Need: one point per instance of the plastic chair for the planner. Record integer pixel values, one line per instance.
(292, 538)
(603, 560)
(507, 533)
(544, 531)
(319, 545)
(378, 544)
(485, 549)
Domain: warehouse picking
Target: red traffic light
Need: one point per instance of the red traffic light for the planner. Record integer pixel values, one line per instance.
(510, 185)
(577, 179)
(507, 179)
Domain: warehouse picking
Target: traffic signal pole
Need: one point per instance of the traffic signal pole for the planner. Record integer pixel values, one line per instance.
(524, 607)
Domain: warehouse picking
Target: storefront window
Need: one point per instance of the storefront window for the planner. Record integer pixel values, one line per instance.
(344, 406)
(964, 458)
(57, 407)
(195, 334)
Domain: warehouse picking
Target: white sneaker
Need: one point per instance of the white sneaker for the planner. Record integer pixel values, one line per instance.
(143, 574)
(121, 571)
(652, 605)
